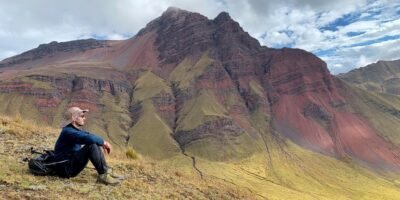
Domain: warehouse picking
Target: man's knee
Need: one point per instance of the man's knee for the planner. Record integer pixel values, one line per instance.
(92, 147)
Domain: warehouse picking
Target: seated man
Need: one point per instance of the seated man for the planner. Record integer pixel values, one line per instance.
(68, 148)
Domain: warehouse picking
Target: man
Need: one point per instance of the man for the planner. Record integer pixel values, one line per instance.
(69, 148)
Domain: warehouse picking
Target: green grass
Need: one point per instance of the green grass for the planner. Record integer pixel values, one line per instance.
(287, 171)
(37, 83)
(19, 105)
(113, 120)
(200, 109)
(21, 78)
(256, 88)
(151, 136)
(148, 85)
(222, 147)
(185, 72)
(58, 116)
(290, 172)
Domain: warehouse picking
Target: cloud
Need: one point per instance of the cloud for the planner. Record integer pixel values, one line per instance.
(362, 55)
(343, 33)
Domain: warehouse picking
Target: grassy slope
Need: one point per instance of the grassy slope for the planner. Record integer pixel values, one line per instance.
(149, 85)
(204, 107)
(282, 171)
(222, 145)
(200, 109)
(286, 171)
(150, 135)
(114, 119)
(380, 110)
(186, 72)
(18, 105)
(146, 179)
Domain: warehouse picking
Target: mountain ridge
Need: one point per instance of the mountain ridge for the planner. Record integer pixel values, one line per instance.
(187, 89)
(382, 76)
(204, 51)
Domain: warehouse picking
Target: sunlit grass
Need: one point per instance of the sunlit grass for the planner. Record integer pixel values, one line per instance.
(145, 178)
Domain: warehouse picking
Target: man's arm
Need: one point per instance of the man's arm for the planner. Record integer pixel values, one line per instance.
(82, 137)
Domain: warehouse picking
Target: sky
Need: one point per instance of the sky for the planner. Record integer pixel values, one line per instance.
(345, 34)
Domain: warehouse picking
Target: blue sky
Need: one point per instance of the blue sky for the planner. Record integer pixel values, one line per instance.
(345, 34)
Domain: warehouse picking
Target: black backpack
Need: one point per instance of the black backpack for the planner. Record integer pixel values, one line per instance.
(44, 165)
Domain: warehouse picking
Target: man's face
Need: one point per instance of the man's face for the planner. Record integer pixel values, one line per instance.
(79, 119)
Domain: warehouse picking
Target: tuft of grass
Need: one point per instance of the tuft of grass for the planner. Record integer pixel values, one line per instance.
(132, 154)
(18, 119)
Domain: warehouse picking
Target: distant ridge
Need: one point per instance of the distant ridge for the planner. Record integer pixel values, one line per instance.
(382, 76)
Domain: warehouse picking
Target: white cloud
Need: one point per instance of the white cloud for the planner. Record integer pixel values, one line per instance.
(362, 60)
(276, 39)
(116, 36)
(362, 55)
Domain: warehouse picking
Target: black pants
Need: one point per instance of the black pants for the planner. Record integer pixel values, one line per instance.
(78, 161)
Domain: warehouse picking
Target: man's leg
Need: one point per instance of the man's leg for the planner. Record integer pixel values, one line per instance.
(93, 153)
(90, 152)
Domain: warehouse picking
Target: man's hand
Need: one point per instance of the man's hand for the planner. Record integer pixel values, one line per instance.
(107, 147)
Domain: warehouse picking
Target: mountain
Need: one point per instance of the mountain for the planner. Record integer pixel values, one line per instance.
(205, 97)
(383, 77)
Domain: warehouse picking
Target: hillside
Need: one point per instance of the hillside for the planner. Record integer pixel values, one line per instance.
(298, 175)
(382, 77)
(146, 179)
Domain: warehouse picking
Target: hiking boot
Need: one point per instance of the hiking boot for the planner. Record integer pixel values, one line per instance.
(107, 179)
(114, 175)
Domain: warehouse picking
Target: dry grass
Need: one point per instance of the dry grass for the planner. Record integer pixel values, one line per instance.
(146, 179)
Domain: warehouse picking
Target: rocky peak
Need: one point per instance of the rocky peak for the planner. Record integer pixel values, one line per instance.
(174, 12)
(173, 17)
(223, 17)
(229, 33)
(192, 34)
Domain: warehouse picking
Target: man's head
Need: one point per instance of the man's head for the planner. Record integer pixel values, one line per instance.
(76, 116)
